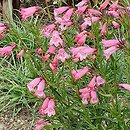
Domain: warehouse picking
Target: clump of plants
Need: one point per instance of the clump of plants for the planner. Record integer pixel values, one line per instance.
(74, 69)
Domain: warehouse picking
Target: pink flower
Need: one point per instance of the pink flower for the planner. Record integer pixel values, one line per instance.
(62, 55)
(39, 92)
(33, 84)
(50, 51)
(44, 106)
(2, 35)
(54, 63)
(27, 12)
(39, 50)
(40, 124)
(109, 43)
(39, 127)
(88, 22)
(3, 27)
(92, 11)
(100, 81)
(7, 50)
(82, 52)
(56, 40)
(60, 10)
(113, 13)
(104, 4)
(103, 31)
(108, 52)
(126, 86)
(19, 55)
(94, 99)
(113, 6)
(81, 9)
(48, 30)
(115, 24)
(66, 17)
(79, 73)
(82, 3)
(80, 38)
(48, 107)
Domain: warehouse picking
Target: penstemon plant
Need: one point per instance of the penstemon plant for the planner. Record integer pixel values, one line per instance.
(76, 67)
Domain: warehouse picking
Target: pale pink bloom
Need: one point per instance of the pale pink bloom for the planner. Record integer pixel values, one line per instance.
(19, 55)
(39, 127)
(54, 63)
(62, 55)
(44, 106)
(126, 86)
(114, 5)
(33, 84)
(50, 110)
(39, 50)
(81, 9)
(80, 38)
(79, 73)
(2, 28)
(40, 124)
(60, 10)
(93, 57)
(6, 51)
(85, 101)
(100, 81)
(109, 43)
(94, 99)
(104, 27)
(115, 24)
(48, 30)
(56, 40)
(27, 12)
(88, 22)
(92, 11)
(2, 35)
(104, 4)
(81, 52)
(63, 25)
(50, 51)
(128, 8)
(39, 92)
(66, 17)
(82, 3)
(108, 52)
(113, 13)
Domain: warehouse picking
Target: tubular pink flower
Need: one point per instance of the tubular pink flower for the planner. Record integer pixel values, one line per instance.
(66, 17)
(39, 51)
(92, 83)
(115, 24)
(94, 99)
(81, 52)
(33, 84)
(27, 12)
(6, 51)
(48, 30)
(109, 43)
(79, 73)
(92, 11)
(82, 3)
(60, 10)
(50, 110)
(126, 86)
(100, 81)
(81, 10)
(108, 52)
(56, 40)
(44, 106)
(19, 55)
(114, 13)
(62, 55)
(39, 127)
(103, 31)
(114, 5)
(40, 89)
(104, 4)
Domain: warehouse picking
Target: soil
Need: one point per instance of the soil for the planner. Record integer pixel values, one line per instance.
(22, 121)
